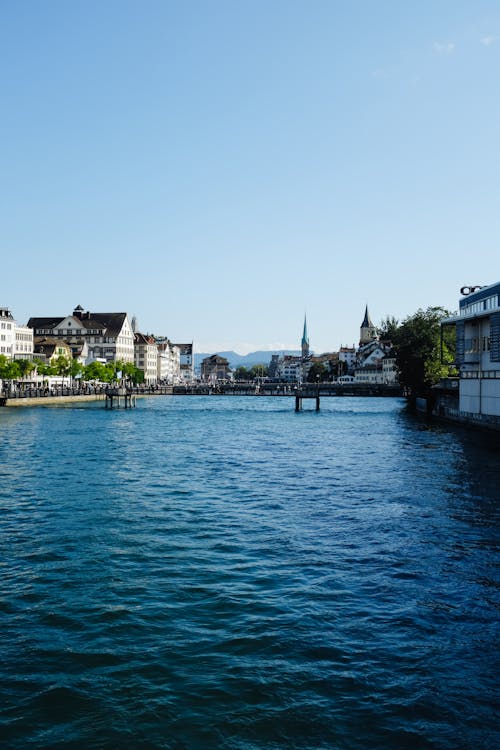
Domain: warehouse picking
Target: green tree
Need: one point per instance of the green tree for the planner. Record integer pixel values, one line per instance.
(62, 366)
(242, 373)
(129, 372)
(9, 369)
(258, 371)
(76, 368)
(26, 367)
(388, 328)
(420, 357)
(94, 371)
(318, 372)
(44, 368)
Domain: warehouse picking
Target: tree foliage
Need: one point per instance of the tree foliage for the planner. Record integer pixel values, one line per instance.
(245, 373)
(318, 372)
(388, 328)
(258, 371)
(242, 373)
(9, 369)
(108, 372)
(421, 358)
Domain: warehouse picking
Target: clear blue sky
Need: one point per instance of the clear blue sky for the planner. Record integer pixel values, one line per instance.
(219, 168)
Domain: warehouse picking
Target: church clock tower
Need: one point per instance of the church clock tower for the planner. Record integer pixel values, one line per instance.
(367, 332)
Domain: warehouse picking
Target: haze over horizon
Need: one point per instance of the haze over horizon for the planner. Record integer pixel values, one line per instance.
(218, 169)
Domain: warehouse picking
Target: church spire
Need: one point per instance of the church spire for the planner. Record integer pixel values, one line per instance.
(305, 340)
(366, 320)
(368, 332)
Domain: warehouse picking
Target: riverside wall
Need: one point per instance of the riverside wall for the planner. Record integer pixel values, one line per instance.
(52, 400)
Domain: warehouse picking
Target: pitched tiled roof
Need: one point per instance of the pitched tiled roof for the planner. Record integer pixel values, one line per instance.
(111, 323)
(44, 322)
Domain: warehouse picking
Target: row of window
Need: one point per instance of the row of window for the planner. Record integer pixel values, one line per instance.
(490, 303)
(476, 345)
(6, 326)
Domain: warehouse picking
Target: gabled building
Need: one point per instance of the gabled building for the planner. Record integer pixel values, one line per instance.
(186, 354)
(347, 357)
(109, 336)
(146, 357)
(48, 348)
(168, 364)
(215, 368)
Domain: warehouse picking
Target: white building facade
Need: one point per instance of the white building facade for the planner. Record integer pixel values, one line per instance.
(16, 342)
(109, 336)
(23, 343)
(7, 335)
(146, 357)
(168, 362)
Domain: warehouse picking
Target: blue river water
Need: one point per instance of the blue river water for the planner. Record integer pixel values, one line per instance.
(221, 572)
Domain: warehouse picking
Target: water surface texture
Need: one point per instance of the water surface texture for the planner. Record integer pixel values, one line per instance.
(221, 572)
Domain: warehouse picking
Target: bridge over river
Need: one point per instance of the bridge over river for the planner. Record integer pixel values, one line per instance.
(299, 392)
(316, 391)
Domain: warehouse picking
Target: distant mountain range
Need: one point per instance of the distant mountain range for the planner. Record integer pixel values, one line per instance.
(245, 360)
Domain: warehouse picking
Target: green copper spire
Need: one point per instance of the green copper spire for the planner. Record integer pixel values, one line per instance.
(305, 339)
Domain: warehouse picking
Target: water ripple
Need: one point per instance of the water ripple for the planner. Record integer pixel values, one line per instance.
(225, 573)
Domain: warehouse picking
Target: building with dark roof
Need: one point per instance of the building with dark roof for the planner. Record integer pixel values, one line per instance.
(109, 336)
(49, 348)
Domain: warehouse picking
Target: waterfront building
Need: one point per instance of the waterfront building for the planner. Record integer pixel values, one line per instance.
(146, 357)
(16, 342)
(215, 368)
(48, 348)
(347, 357)
(477, 326)
(168, 362)
(109, 336)
(7, 324)
(289, 367)
(369, 374)
(380, 372)
(23, 342)
(390, 372)
(186, 354)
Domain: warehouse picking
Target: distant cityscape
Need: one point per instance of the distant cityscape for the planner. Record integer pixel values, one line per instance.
(85, 337)
(85, 341)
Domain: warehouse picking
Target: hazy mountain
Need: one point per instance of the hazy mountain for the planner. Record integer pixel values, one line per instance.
(245, 360)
